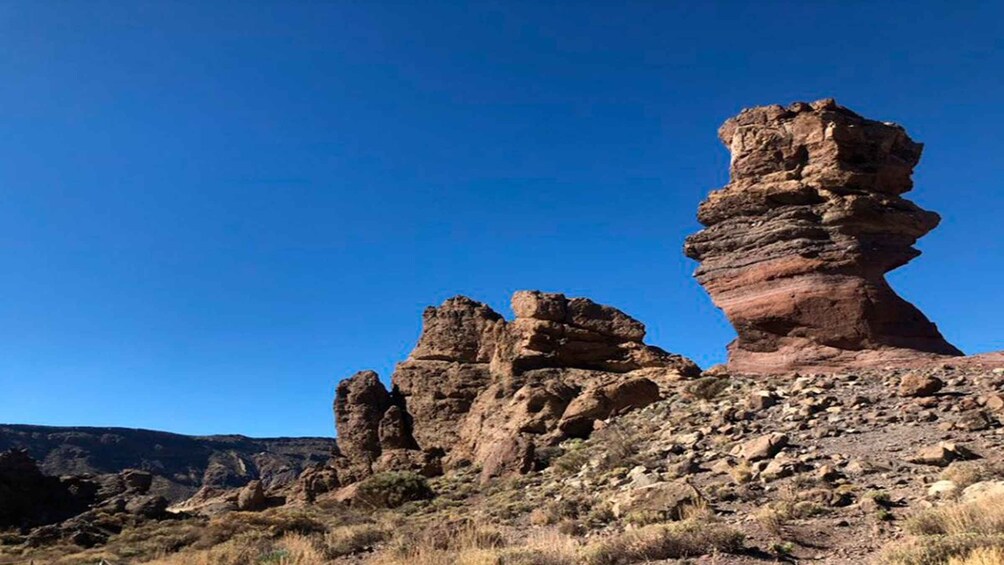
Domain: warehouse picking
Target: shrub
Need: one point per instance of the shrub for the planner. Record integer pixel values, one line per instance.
(938, 550)
(955, 531)
(574, 457)
(272, 523)
(981, 556)
(690, 538)
(983, 516)
(350, 540)
(390, 490)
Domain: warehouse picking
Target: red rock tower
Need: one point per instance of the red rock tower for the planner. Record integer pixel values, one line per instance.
(795, 248)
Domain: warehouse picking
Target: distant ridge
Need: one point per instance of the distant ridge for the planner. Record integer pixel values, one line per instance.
(181, 464)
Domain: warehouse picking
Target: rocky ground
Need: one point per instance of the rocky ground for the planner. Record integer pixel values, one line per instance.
(841, 468)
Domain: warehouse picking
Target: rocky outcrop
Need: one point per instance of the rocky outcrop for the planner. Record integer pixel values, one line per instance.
(29, 498)
(83, 510)
(483, 391)
(795, 248)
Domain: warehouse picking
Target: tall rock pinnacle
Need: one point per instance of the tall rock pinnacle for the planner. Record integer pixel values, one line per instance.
(796, 246)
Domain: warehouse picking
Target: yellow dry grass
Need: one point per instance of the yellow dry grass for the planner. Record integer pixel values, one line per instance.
(970, 533)
(981, 556)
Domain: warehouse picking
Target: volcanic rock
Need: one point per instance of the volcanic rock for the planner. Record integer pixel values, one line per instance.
(29, 498)
(919, 385)
(795, 248)
(360, 405)
(941, 455)
(668, 499)
(315, 481)
(479, 390)
(763, 447)
(252, 497)
(179, 465)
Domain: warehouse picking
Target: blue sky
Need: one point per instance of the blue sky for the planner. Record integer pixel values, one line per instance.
(212, 212)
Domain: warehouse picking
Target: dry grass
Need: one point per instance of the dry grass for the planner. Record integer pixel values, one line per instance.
(775, 516)
(349, 540)
(981, 556)
(965, 473)
(688, 538)
(952, 532)
(470, 543)
(983, 516)
(289, 549)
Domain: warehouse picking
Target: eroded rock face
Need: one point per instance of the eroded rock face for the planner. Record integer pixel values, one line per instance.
(478, 390)
(795, 248)
(360, 404)
(551, 331)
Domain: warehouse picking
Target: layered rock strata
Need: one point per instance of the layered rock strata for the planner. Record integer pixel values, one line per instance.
(480, 390)
(796, 246)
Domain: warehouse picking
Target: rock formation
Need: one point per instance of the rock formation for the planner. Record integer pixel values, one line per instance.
(795, 248)
(84, 510)
(480, 390)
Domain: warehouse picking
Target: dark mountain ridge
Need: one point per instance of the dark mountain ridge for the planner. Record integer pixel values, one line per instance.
(180, 463)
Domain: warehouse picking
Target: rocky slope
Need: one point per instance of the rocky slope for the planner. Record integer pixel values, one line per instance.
(180, 464)
(795, 248)
(837, 468)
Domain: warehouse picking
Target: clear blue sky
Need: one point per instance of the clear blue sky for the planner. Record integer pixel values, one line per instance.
(210, 212)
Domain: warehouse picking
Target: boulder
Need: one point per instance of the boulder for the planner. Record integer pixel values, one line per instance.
(943, 490)
(795, 247)
(941, 455)
(251, 497)
(137, 481)
(315, 481)
(601, 402)
(763, 447)
(982, 489)
(147, 506)
(919, 385)
(666, 500)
